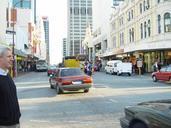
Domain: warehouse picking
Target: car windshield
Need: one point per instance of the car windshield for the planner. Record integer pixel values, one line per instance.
(71, 72)
(52, 67)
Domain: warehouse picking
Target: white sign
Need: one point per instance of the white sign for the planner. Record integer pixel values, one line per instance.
(139, 63)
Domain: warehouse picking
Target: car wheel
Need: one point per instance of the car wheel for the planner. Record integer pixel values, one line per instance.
(154, 79)
(51, 86)
(86, 90)
(118, 73)
(129, 74)
(139, 125)
(58, 90)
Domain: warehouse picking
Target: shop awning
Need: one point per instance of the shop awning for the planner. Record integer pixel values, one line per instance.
(20, 53)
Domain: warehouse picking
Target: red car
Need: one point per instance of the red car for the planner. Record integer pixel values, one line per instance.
(70, 79)
(51, 70)
(164, 74)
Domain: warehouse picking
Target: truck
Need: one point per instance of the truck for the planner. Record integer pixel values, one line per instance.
(74, 61)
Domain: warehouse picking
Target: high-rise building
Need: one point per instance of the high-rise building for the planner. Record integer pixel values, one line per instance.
(79, 17)
(64, 47)
(46, 29)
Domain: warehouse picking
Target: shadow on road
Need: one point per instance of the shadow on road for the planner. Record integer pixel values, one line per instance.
(39, 92)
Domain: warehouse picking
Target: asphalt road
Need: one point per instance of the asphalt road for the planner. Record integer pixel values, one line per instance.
(100, 108)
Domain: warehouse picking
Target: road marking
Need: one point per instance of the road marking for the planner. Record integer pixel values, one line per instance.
(114, 101)
(26, 83)
(29, 87)
(40, 121)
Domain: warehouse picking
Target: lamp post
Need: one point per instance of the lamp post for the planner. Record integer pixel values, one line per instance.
(13, 36)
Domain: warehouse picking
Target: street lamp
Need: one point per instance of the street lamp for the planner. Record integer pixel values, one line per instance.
(13, 42)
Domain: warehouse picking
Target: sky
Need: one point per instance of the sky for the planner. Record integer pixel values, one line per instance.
(56, 10)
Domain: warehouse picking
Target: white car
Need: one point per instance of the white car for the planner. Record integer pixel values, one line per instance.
(124, 68)
(111, 66)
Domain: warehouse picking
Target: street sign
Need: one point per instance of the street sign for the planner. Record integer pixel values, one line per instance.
(139, 63)
(10, 32)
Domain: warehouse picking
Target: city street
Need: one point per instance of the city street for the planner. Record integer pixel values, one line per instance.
(100, 108)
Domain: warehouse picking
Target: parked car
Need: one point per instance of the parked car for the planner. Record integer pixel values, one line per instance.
(70, 79)
(51, 70)
(111, 66)
(153, 114)
(163, 74)
(124, 68)
(41, 65)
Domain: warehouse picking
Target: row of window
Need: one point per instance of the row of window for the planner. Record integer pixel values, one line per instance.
(144, 6)
(82, 11)
(145, 29)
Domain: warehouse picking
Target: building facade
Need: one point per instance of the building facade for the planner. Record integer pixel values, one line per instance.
(141, 30)
(40, 39)
(4, 18)
(79, 16)
(102, 10)
(64, 47)
(46, 30)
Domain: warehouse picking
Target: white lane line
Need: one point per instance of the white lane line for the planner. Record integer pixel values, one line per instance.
(24, 83)
(40, 121)
(112, 100)
(29, 87)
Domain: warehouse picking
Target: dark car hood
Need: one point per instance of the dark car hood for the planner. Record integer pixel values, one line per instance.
(163, 106)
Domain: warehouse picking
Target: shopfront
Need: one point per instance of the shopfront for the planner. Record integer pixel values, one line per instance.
(150, 57)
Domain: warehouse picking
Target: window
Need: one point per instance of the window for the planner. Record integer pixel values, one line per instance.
(129, 16)
(89, 11)
(132, 14)
(132, 34)
(159, 24)
(167, 22)
(105, 44)
(145, 31)
(148, 4)
(144, 6)
(149, 28)
(141, 28)
(76, 11)
(83, 11)
(140, 8)
(70, 10)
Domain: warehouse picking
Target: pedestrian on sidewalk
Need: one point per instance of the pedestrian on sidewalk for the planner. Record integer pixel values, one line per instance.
(9, 106)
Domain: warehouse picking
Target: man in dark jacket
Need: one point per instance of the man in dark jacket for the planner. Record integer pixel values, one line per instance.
(9, 106)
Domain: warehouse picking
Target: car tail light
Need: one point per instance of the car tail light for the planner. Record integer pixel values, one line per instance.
(87, 80)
